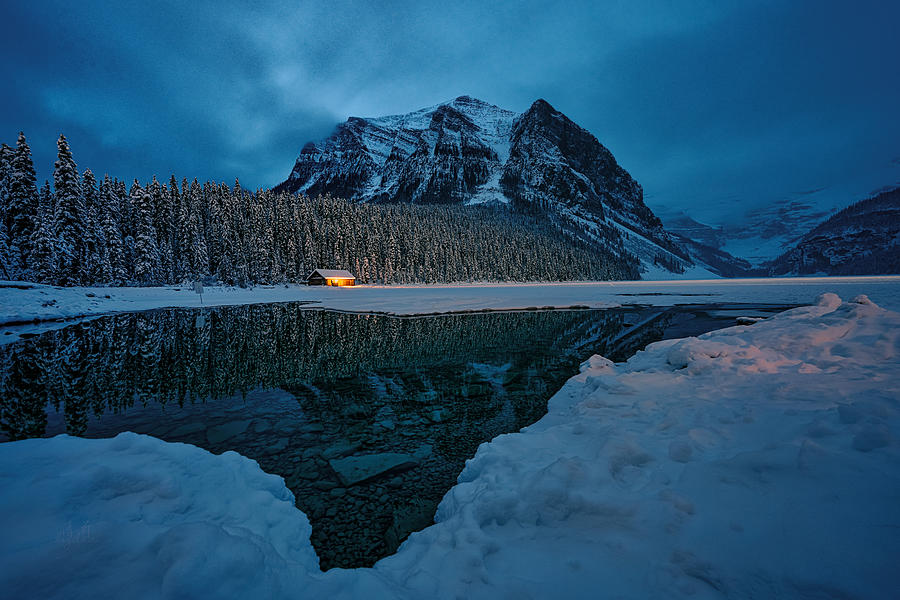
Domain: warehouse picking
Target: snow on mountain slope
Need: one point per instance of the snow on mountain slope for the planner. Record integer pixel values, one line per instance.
(765, 233)
(678, 222)
(718, 261)
(863, 239)
(756, 237)
(467, 151)
(752, 239)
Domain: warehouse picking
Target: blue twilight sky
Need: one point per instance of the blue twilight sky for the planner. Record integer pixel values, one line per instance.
(715, 106)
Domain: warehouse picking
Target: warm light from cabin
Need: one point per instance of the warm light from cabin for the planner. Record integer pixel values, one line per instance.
(338, 282)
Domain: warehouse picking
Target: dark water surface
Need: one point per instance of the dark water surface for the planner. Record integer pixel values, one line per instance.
(369, 419)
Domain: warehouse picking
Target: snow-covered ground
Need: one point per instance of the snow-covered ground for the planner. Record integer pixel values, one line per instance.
(41, 303)
(751, 462)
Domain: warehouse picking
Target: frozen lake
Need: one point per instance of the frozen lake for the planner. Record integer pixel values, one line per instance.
(368, 418)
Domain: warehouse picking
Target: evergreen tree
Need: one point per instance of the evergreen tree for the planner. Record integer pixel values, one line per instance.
(6, 158)
(160, 202)
(22, 205)
(91, 241)
(69, 217)
(112, 254)
(146, 251)
(43, 240)
(5, 254)
(199, 255)
(185, 226)
(6, 258)
(167, 229)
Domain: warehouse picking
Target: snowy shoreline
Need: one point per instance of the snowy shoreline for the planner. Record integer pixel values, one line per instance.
(750, 461)
(27, 308)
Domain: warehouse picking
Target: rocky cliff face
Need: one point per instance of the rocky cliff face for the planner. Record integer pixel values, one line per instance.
(470, 152)
(862, 239)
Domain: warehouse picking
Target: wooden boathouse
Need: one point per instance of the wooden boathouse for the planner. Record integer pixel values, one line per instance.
(334, 277)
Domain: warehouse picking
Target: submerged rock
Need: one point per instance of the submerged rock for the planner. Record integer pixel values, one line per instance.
(413, 516)
(226, 431)
(340, 449)
(261, 426)
(187, 429)
(277, 446)
(357, 469)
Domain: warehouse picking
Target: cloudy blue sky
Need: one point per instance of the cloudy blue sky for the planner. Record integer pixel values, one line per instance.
(714, 106)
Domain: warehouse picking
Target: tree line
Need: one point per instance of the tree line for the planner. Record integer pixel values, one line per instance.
(88, 231)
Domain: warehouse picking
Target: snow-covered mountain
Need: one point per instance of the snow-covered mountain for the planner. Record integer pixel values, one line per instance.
(758, 236)
(765, 233)
(467, 151)
(862, 239)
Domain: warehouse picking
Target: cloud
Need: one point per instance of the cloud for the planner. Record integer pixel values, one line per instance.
(711, 105)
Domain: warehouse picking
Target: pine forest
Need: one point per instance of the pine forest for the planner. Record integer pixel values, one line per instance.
(82, 230)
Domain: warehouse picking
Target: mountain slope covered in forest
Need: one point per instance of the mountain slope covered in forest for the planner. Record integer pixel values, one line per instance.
(467, 152)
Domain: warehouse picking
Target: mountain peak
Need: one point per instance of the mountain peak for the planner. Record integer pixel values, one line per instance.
(541, 105)
(467, 151)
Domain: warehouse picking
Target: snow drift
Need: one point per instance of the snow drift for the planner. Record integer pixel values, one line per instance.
(756, 461)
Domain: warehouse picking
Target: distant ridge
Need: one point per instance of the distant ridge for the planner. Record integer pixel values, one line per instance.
(862, 239)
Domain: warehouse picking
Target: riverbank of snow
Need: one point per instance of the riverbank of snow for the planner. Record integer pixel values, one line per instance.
(759, 461)
(25, 303)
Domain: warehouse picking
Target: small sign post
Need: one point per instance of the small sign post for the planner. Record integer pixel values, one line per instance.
(198, 288)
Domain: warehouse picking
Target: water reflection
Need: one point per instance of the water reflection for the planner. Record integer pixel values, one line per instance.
(368, 418)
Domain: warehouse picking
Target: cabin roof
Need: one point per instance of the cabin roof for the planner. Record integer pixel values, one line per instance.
(333, 274)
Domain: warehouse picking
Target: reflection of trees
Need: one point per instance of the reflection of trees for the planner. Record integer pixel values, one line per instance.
(178, 356)
(22, 396)
(434, 387)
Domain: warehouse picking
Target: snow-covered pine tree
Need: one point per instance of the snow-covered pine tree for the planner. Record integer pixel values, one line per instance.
(146, 251)
(199, 256)
(22, 206)
(162, 224)
(166, 217)
(5, 254)
(290, 227)
(193, 261)
(309, 228)
(90, 258)
(182, 235)
(43, 241)
(113, 252)
(69, 217)
(240, 220)
(6, 156)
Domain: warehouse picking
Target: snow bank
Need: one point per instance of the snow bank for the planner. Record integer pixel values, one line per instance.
(754, 461)
(137, 517)
(758, 461)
